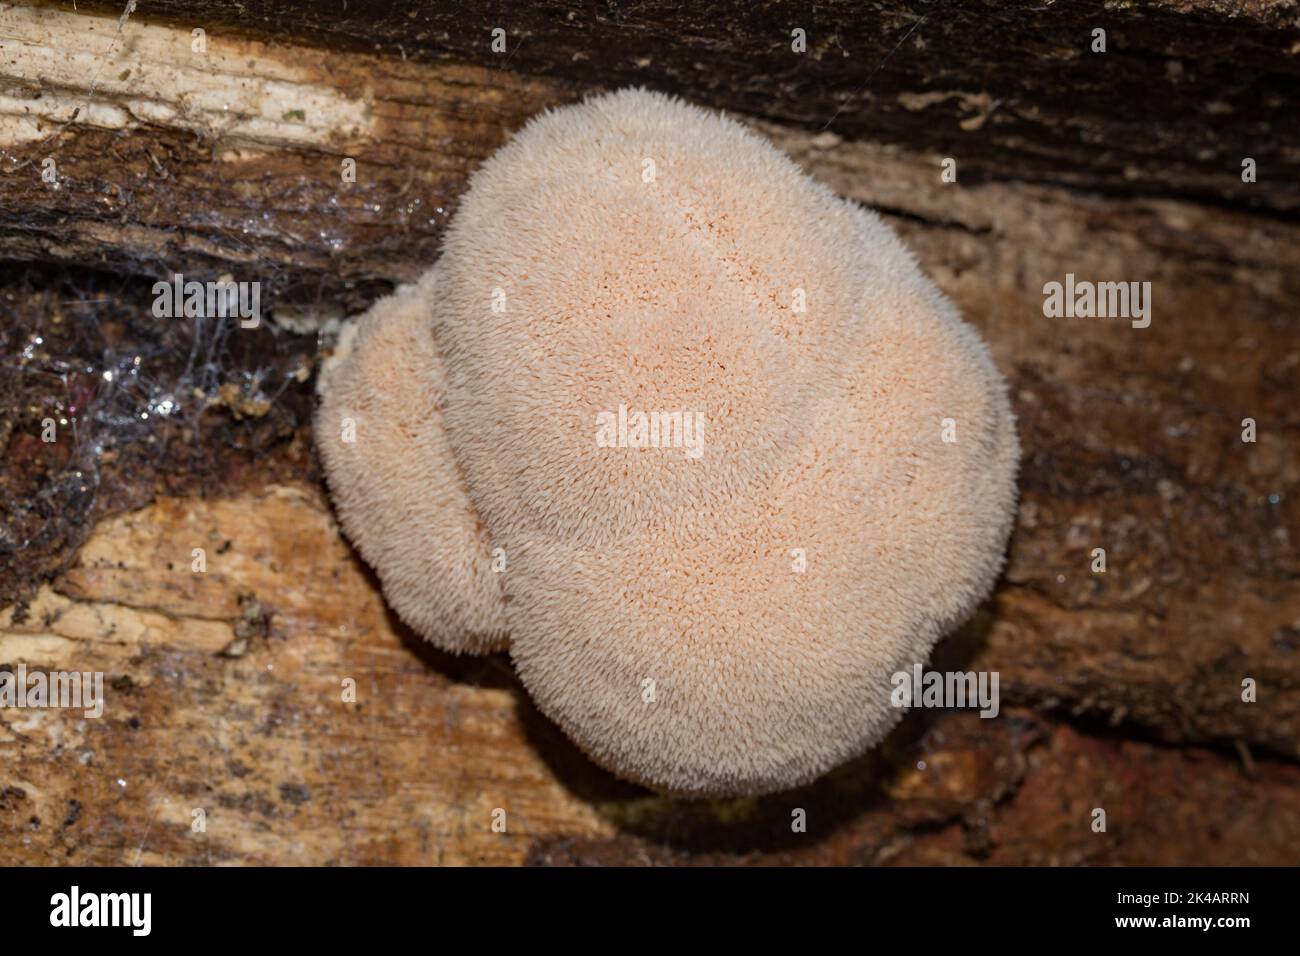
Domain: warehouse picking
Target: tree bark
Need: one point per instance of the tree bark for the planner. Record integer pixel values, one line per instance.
(1120, 688)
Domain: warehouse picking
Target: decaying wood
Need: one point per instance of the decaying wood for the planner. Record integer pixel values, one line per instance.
(229, 159)
(1120, 690)
(226, 695)
(232, 160)
(1184, 91)
(1133, 443)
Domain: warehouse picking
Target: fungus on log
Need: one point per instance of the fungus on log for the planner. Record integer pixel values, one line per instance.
(1001, 148)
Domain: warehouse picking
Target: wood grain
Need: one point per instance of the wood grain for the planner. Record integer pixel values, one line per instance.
(1120, 690)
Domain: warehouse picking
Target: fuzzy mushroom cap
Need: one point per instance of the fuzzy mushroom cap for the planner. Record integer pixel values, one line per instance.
(726, 624)
(396, 487)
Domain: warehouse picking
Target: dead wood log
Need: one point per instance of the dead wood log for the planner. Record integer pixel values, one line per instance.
(227, 686)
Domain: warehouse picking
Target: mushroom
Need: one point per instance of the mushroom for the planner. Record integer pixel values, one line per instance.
(396, 487)
(720, 623)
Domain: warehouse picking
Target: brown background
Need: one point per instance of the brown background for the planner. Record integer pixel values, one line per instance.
(1120, 691)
